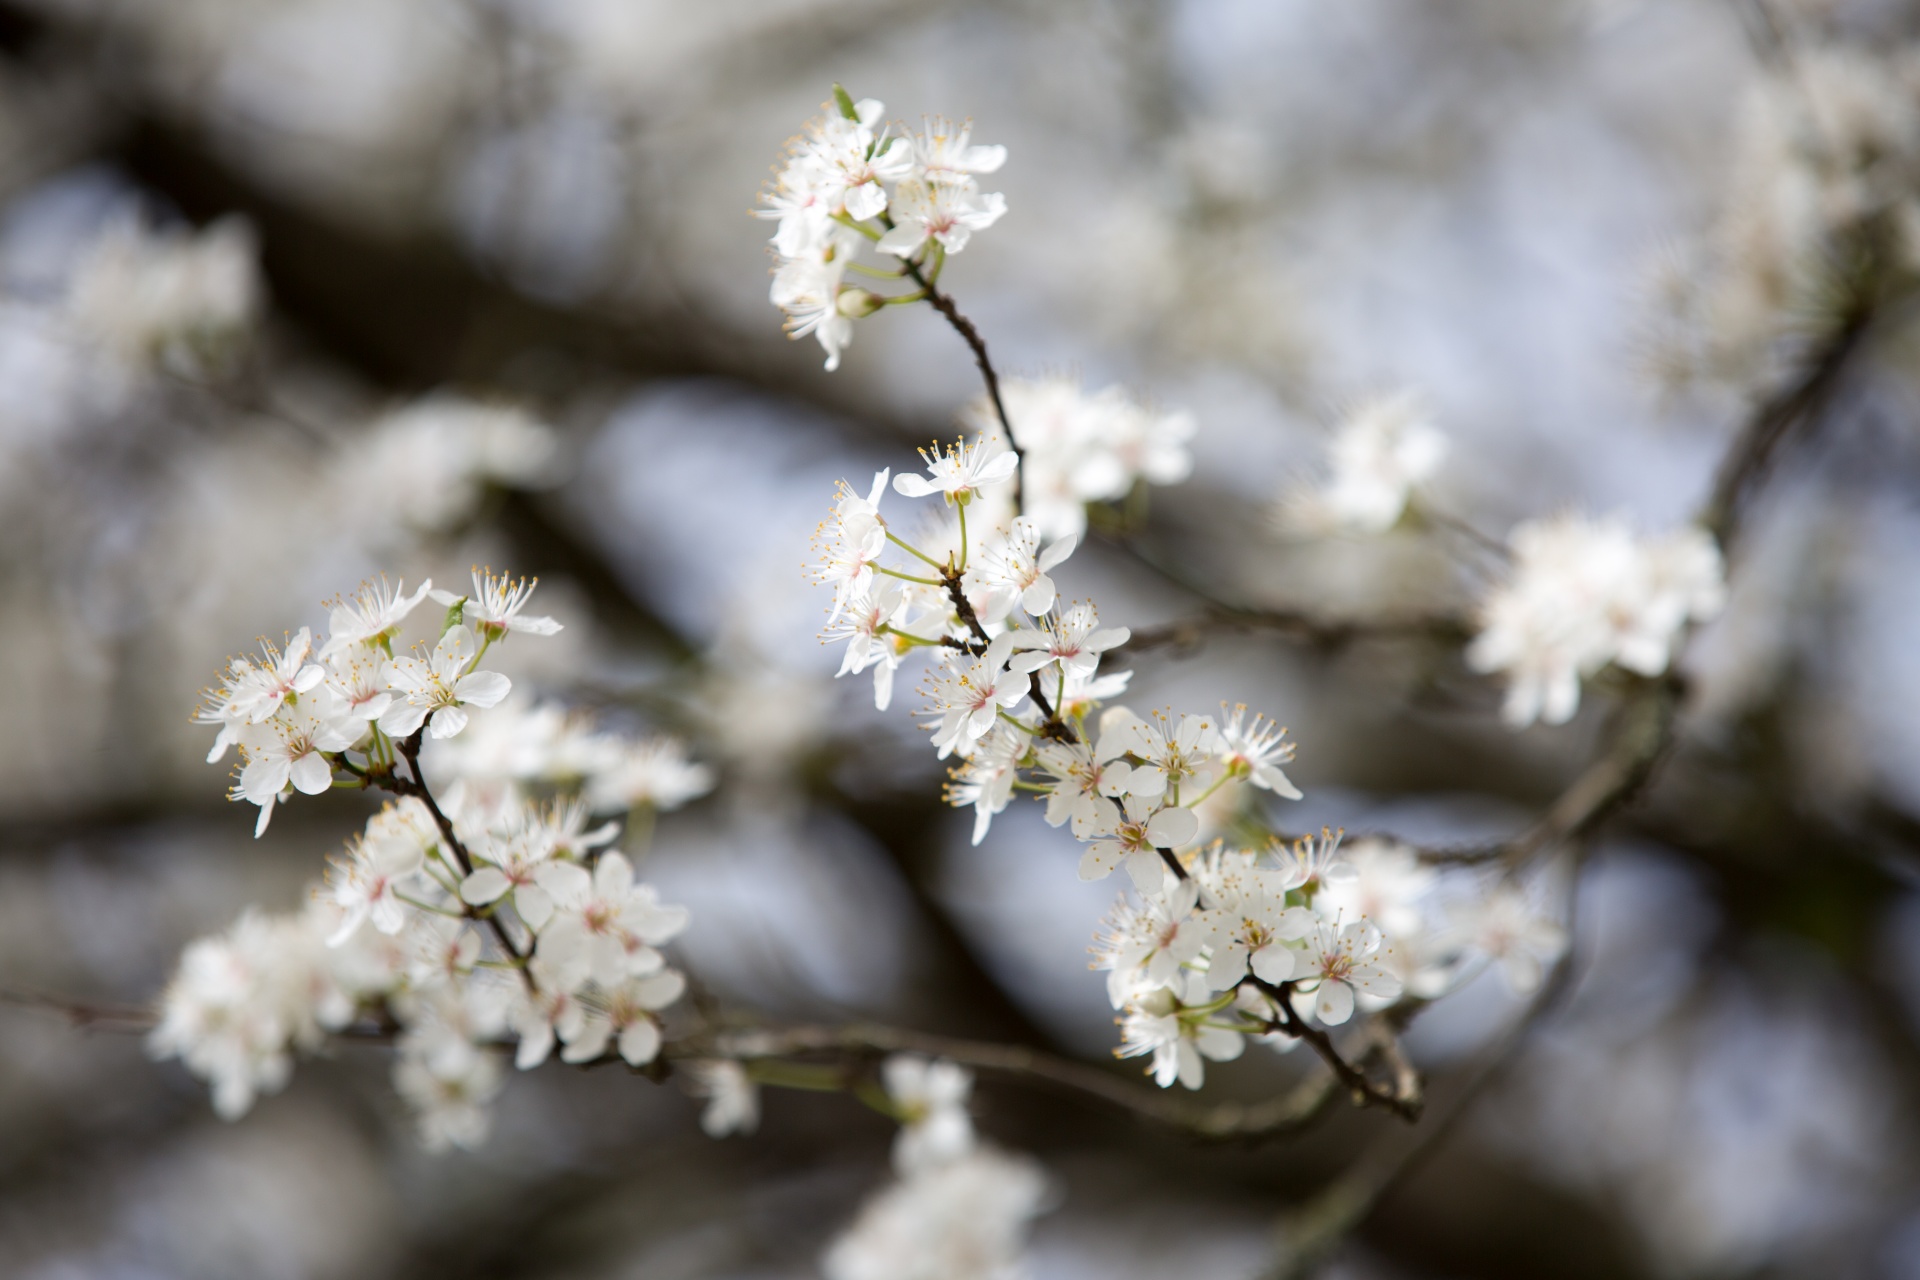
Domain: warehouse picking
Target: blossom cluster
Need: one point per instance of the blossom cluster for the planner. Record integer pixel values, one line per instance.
(1584, 593)
(1384, 449)
(492, 915)
(1221, 944)
(1261, 943)
(174, 299)
(1082, 446)
(958, 1207)
(850, 178)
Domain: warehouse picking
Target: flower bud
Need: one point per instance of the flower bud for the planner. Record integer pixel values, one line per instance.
(856, 302)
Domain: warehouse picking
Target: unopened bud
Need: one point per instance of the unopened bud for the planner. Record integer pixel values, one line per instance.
(855, 303)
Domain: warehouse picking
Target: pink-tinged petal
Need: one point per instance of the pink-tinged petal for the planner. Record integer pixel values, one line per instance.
(310, 774)
(640, 1043)
(1333, 1003)
(909, 485)
(1273, 963)
(486, 884)
(1172, 828)
(483, 688)
(447, 722)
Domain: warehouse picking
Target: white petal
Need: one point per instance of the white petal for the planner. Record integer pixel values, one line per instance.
(483, 688)
(640, 1043)
(1172, 828)
(486, 884)
(1273, 963)
(1333, 1004)
(447, 722)
(1038, 598)
(908, 485)
(311, 774)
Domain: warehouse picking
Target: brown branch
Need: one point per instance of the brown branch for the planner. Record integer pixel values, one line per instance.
(1315, 1228)
(944, 304)
(1190, 633)
(1287, 1113)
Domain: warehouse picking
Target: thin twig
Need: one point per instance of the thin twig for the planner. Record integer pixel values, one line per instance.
(944, 304)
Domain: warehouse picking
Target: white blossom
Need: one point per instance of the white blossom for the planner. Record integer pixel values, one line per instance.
(1132, 833)
(959, 471)
(1506, 927)
(605, 926)
(1382, 451)
(1073, 638)
(969, 696)
(1180, 1033)
(1583, 593)
(372, 617)
(440, 686)
(733, 1100)
(173, 298)
(985, 779)
(929, 1098)
(494, 608)
(624, 1015)
(1149, 946)
(1254, 751)
(653, 773)
(1339, 961)
(1014, 570)
(963, 1220)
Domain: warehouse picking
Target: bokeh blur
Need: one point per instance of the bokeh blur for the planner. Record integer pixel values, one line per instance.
(510, 310)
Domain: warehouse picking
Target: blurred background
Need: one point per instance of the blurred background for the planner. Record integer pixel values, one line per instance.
(510, 310)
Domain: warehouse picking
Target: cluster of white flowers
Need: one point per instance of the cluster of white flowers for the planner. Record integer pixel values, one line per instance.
(1217, 938)
(958, 1209)
(172, 298)
(1083, 447)
(1383, 450)
(1584, 593)
(427, 463)
(495, 915)
(1822, 181)
(849, 178)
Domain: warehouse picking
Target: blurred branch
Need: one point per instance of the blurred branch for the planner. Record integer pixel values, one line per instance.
(1310, 1233)
(1287, 1113)
(856, 1045)
(1187, 634)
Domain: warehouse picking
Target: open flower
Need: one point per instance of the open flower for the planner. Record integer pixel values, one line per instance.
(1340, 960)
(440, 686)
(1013, 570)
(1134, 834)
(494, 607)
(959, 471)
